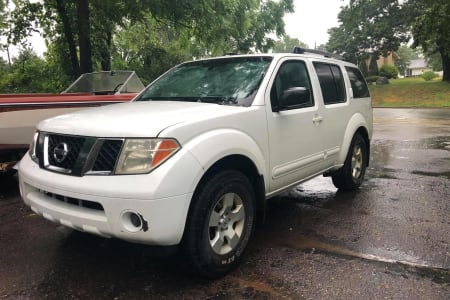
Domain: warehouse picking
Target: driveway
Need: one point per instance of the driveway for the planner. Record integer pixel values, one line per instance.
(390, 239)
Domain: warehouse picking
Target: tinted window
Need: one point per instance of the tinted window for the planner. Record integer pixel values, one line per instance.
(292, 87)
(331, 83)
(359, 85)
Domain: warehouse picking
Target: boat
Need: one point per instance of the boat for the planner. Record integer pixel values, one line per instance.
(20, 113)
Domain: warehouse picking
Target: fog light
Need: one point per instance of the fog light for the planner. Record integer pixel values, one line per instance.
(133, 222)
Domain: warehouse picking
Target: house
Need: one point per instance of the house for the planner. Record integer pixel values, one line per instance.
(387, 60)
(417, 67)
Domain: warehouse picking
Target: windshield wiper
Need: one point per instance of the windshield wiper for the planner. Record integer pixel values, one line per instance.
(221, 100)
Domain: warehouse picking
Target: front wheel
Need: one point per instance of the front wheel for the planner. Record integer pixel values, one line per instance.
(351, 175)
(220, 223)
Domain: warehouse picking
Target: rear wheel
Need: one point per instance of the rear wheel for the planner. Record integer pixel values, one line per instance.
(351, 175)
(220, 223)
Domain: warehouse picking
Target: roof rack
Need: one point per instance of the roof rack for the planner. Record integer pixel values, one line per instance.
(300, 50)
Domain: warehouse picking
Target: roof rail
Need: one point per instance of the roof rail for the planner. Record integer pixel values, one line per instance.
(300, 50)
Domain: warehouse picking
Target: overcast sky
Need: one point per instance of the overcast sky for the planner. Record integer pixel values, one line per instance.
(309, 23)
(312, 19)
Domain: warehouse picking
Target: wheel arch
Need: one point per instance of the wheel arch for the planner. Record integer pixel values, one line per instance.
(244, 165)
(356, 125)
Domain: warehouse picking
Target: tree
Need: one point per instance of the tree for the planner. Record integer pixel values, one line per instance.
(149, 48)
(382, 25)
(434, 61)
(363, 67)
(405, 55)
(287, 44)
(373, 66)
(431, 29)
(27, 73)
(377, 27)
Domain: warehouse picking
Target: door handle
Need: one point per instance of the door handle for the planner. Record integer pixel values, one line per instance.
(317, 119)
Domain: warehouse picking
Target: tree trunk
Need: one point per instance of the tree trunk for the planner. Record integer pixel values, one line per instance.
(105, 52)
(84, 36)
(69, 37)
(445, 66)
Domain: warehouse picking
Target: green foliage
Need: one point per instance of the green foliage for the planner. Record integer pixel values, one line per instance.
(389, 71)
(373, 66)
(27, 74)
(146, 36)
(429, 75)
(431, 29)
(434, 60)
(405, 55)
(287, 44)
(376, 26)
(372, 79)
(382, 25)
(162, 48)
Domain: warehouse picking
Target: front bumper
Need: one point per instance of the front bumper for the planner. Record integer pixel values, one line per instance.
(104, 205)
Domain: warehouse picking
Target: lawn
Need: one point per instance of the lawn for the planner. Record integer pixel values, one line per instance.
(411, 92)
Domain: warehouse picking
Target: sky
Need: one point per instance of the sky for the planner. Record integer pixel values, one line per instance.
(309, 23)
(312, 19)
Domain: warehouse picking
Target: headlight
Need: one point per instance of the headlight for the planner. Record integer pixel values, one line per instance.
(33, 146)
(140, 156)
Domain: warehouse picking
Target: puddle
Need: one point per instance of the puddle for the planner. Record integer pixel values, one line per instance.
(432, 174)
(310, 244)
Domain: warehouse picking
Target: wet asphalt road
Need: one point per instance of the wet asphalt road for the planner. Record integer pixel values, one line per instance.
(388, 240)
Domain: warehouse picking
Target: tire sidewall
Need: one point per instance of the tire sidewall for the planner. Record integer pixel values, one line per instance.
(357, 140)
(204, 259)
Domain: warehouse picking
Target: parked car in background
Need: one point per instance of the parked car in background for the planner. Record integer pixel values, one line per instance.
(19, 113)
(193, 158)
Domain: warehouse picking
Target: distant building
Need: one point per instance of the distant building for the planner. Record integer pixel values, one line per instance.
(387, 60)
(417, 67)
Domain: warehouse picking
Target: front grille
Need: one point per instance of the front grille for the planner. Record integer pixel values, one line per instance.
(74, 145)
(107, 156)
(77, 156)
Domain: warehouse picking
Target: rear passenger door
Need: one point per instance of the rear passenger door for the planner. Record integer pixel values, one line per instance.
(335, 112)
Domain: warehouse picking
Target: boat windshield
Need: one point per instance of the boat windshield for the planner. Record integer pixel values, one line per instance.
(106, 83)
(229, 80)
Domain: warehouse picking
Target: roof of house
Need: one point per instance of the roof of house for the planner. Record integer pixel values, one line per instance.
(418, 64)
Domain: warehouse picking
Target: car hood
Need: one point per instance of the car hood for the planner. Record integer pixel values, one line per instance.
(134, 119)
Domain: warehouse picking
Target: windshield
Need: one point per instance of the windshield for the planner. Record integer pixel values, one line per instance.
(231, 80)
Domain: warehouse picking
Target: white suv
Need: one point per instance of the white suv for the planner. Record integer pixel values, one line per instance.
(193, 159)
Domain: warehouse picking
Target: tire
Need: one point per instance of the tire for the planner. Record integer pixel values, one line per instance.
(220, 223)
(351, 175)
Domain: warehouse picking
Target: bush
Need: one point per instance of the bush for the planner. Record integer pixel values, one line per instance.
(429, 75)
(372, 79)
(389, 71)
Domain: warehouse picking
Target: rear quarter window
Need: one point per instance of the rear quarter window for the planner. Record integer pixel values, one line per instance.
(359, 85)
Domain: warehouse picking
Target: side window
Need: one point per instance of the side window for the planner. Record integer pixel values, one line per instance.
(331, 82)
(359, 85)
(292, 87)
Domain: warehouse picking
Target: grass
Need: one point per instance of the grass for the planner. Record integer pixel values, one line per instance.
(411, 92)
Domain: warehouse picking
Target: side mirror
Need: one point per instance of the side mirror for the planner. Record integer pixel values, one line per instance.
(294, 96)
